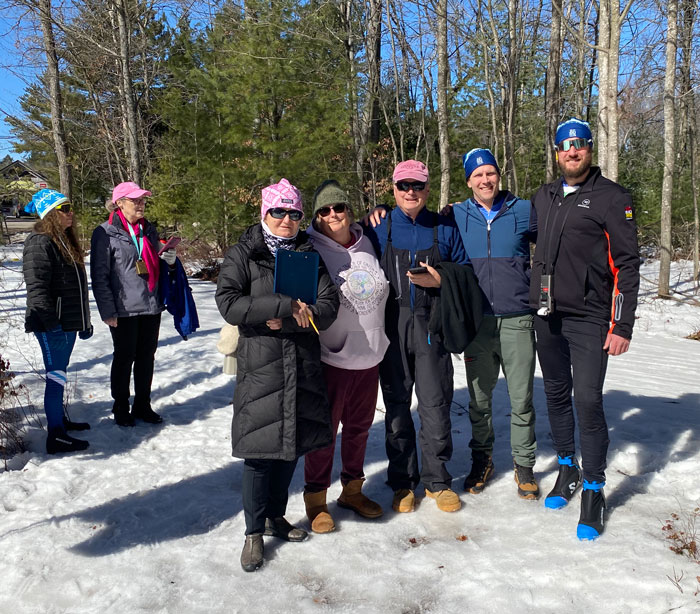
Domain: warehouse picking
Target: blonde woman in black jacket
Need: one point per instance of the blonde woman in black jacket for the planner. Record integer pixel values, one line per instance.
(57, 306)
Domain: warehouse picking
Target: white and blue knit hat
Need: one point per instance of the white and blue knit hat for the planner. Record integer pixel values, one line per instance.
(572, 129)
(44, 200)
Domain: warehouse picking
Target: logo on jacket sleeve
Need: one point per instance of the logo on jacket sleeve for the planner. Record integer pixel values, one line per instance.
(628, 213)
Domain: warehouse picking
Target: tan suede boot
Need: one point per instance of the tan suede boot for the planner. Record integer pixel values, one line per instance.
(317, 512)
(352, 499)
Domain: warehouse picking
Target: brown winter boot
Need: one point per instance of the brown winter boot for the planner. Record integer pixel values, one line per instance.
(317, 512)
(352, 499)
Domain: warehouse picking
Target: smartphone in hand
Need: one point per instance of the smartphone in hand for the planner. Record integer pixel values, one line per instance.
(419, 270)
(171, 243)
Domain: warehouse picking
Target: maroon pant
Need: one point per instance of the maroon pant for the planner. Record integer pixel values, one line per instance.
(353, 399)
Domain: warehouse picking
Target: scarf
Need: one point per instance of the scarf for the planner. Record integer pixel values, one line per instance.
(148, 254)
(274, 242)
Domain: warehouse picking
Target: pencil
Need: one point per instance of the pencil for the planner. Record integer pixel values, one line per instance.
(313, 324)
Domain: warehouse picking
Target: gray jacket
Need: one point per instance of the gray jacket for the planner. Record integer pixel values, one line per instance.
(119, 291)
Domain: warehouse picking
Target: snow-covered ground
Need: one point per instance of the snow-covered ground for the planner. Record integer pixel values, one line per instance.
(149, 519)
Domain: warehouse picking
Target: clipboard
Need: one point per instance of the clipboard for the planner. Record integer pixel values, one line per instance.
(296, 275)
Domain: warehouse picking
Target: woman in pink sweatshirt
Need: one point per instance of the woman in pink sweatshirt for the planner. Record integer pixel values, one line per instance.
(351, 350)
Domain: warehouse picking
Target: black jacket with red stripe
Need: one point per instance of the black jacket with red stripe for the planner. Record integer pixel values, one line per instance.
(588, 242)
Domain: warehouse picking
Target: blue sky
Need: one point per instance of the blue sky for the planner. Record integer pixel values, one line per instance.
(15, 73)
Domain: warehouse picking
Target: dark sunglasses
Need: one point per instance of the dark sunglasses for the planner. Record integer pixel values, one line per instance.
(64, 208)
(326, 211)
(575, 143)
(278, 213)
(405, 186)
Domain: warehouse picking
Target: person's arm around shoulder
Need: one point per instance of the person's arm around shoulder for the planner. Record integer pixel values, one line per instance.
(532, 227)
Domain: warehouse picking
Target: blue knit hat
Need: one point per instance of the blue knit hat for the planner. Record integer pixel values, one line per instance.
(43, 201)
(573, 128)
(476, 158)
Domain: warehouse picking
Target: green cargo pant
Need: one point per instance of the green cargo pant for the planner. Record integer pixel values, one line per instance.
(506, 342)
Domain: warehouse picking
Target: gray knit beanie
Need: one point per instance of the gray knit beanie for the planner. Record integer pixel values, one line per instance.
(329, 193)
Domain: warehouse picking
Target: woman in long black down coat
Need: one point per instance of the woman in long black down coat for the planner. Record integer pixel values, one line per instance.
(280, 406)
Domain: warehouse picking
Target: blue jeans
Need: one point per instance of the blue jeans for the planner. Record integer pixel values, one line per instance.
(56, 348)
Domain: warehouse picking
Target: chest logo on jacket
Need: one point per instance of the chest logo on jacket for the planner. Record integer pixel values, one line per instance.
(586, 204)
(361, 289)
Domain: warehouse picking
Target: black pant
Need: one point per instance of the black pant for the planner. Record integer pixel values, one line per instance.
(566, 344)
(265, 490)
(135, 341)
(410, 360)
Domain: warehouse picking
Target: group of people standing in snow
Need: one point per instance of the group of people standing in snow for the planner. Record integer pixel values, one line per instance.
(410, 288)
(131, 284)
(395, 297)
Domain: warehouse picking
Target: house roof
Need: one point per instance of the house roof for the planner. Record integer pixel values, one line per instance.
(17, 168)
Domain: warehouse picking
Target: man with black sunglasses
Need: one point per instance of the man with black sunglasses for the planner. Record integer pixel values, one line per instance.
(584, 285)
(409, 239)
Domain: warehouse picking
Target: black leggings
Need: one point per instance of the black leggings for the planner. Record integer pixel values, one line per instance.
(135, 341)
(571, 355)
(265, 490)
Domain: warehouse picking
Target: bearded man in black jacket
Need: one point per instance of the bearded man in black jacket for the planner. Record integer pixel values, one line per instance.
(584, 284)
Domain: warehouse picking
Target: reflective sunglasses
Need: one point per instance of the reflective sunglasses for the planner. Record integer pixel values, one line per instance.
(326, 211)
(64, 208)
(575, 143)
(405, 186)
(278, 213)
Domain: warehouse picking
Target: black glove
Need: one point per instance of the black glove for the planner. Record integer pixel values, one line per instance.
(87, 333)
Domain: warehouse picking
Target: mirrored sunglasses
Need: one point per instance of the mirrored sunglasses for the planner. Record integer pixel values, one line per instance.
(278, 213)
(64, 208)
(326, 211)
(575, 143)
(405, 186)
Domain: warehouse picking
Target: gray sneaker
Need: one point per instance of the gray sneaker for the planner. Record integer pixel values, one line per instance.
(252, 555)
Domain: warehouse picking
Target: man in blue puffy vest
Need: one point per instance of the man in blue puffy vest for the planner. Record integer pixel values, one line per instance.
(497, 229)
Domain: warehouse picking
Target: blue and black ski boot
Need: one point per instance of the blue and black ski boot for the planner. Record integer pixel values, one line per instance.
(567, 482)
(591, 522)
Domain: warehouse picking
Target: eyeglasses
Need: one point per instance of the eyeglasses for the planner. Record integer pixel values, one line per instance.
(405, 186)
(64, 208)
(279, 214)
(575, 143)
(326, 211)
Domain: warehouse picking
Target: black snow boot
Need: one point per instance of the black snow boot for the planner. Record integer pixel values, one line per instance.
(69, 425)
(568, 480)
(280, 527)
(146, 413)
(591, 522)
(122, 416)
(252, 555)
(482, 470)
(58, 441)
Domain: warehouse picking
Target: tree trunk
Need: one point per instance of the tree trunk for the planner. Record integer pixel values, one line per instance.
(665, 240)
(610, 24)
(552, 102)
(442, 107)
(127, 91)
(54, 83)
(688, 120)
